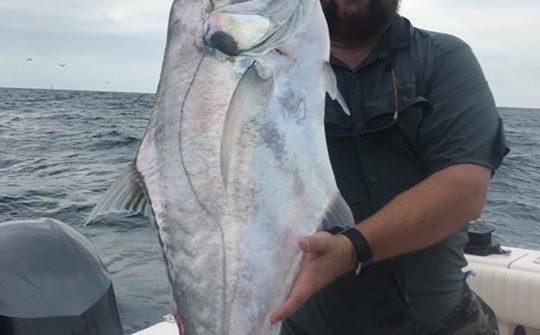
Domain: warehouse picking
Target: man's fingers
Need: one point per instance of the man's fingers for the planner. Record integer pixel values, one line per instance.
(303, 287)
(293, 302)
(300, 292)
(315, 243)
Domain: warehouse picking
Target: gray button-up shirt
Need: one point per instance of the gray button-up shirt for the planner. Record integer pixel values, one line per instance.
(446, 116)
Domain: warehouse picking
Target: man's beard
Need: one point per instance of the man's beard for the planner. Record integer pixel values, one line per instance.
(358, 19)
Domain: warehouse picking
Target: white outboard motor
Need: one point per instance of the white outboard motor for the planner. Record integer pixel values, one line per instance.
(52, 282)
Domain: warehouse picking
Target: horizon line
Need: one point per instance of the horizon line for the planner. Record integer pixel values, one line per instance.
(138, 92)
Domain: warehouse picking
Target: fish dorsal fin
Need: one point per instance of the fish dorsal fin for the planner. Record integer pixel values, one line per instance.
(251, 97)
(330, 83)
(125, 195)
(337, 215)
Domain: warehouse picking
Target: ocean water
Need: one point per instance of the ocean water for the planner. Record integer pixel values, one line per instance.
(60, 150)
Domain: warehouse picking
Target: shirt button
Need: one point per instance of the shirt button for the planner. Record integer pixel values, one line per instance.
(373, 179)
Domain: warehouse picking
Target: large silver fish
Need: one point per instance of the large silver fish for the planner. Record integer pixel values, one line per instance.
(233, 167)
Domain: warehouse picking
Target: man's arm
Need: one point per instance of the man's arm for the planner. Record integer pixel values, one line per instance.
(428, 212)
(416, 219)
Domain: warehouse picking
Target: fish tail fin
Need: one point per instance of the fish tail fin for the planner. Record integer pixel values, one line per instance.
(330, 83)
(125, 195)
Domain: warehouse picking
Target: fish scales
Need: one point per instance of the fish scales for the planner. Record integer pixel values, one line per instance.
(233, 165)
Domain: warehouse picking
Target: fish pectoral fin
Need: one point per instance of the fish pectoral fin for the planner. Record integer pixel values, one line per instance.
(330, 83)
(249, 101)
(337, 215)
(125, 195)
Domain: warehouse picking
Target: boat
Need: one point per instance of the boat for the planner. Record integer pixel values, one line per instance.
(165, 327)
(509, 282)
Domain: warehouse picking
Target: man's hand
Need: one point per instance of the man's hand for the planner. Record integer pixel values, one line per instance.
(326, 257)
(415, 219)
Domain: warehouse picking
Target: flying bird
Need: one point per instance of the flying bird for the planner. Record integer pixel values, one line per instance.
(62, 64)
(29, 60)
(107, 82)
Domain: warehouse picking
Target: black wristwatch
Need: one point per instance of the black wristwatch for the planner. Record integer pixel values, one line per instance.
(363, 251)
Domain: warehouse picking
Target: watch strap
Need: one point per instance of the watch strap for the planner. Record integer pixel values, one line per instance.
(361, 246)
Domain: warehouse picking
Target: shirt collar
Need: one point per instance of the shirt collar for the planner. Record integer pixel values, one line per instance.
(401, 33)
(397, 36)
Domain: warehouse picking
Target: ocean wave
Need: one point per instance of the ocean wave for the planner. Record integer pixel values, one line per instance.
(62, 149)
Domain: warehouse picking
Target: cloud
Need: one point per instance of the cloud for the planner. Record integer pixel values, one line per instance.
(118, 41)
(127, 37)
(97, 16)
(505, 36)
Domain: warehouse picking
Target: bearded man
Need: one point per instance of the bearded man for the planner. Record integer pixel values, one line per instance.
(414, 162)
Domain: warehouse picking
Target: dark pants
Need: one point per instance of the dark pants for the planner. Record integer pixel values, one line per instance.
(471, 317)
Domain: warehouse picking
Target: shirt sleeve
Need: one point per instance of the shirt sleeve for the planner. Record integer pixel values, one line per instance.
(464, 126)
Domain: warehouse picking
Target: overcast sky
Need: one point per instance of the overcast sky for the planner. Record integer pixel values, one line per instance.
(118, 45)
